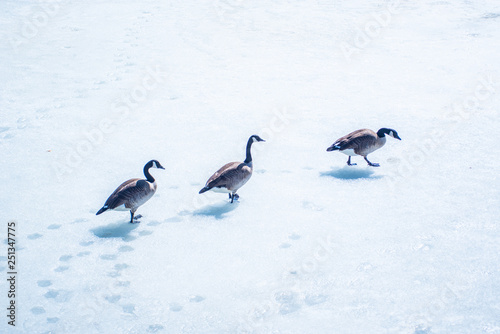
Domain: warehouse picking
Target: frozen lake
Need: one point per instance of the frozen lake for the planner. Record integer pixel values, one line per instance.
(92, 91)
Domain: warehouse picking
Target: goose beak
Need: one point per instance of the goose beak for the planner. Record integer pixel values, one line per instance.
(330, 149)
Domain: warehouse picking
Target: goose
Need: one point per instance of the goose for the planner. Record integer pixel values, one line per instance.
(362, 142)
(232, 176)
(133, 193)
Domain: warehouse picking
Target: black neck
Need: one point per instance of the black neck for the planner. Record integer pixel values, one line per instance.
(381, 133)
(149, 177)
(249, 154)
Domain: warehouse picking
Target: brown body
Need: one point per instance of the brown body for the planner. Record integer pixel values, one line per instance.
(131, 194)
(232, 176)
(362, 142)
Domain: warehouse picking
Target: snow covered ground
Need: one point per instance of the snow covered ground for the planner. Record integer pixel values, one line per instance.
(92, 90)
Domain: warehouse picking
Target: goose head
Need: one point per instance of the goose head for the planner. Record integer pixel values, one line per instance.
(154, 164)
(256, 138)
(386, 131)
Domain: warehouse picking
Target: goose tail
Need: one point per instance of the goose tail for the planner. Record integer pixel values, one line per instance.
(206, 188)
(333, 148)
(104, 208)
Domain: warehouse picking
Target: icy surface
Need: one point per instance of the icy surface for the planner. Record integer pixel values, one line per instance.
(92, 90)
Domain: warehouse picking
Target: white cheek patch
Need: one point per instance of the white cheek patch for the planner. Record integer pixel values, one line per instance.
(154, 164)
(391, 134)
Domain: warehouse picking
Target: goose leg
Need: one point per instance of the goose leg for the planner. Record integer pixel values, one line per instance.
(233, 197)
(133, 217)
(349, 162)
(373, 164)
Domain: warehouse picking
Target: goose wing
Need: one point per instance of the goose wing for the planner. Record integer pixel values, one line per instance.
(128, 193)
(229, 175)
(357, 140)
